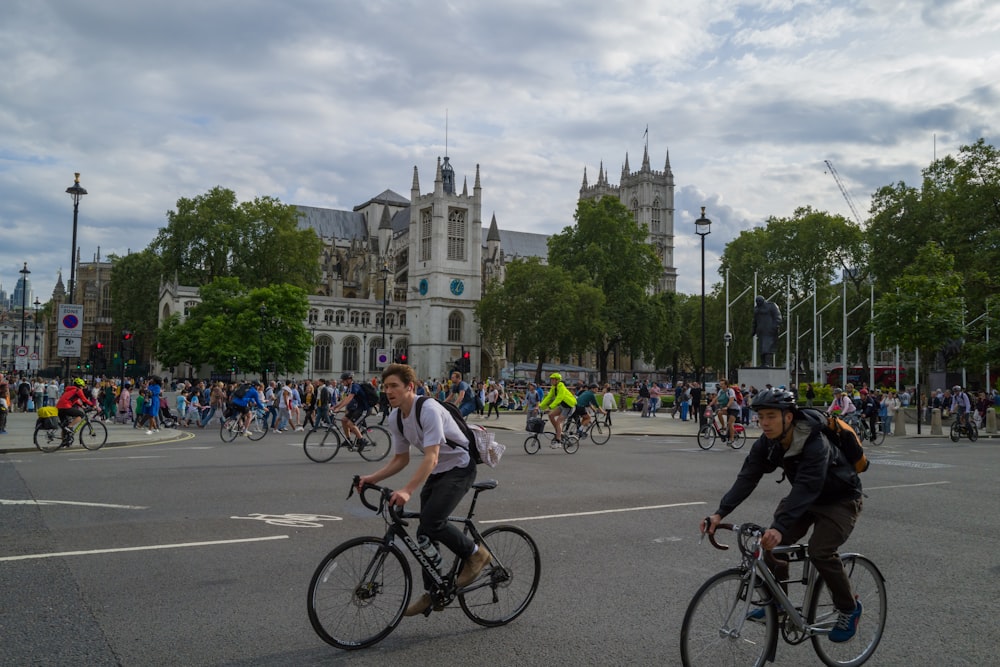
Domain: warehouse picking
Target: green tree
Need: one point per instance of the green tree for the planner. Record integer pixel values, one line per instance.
(541, 310)
(609, 250)
(135, 293)
(259, 242)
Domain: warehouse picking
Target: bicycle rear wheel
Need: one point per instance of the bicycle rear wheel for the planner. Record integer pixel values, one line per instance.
(321, 445)
(878, 437)
(739, 438)
(869, 588)
(716, 630)
(230, 429)
(507, 585)
(973, 432)
(47, 439)
(600, 433)
(532, 445)
(381, 443)
(706, 436)
(93, 435)
(359, 592)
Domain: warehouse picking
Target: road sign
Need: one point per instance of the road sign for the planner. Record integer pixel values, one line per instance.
(21, 351)
(381, 357)
(70, 346)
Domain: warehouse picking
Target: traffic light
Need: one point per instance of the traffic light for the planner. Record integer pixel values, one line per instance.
(127, 336)
(465, 363)
(402, 358)
(98, 345)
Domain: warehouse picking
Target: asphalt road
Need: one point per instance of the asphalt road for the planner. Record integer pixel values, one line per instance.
(168, 554)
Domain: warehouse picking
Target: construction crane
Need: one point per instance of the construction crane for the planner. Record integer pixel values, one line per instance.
(843, 190)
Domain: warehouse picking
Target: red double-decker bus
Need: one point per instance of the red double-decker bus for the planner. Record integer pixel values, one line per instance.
(885, 376)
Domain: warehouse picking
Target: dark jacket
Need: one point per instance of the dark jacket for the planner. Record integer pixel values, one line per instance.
(817, 471)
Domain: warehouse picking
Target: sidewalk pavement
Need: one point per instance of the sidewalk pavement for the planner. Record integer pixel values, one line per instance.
(21, 431)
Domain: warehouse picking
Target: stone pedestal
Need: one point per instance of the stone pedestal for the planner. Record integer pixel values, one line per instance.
(899, 423)
(760, 377)
(991, 420)
(936, 422)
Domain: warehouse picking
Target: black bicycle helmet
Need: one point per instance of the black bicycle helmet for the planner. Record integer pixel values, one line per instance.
(347, 375)
(774, 399)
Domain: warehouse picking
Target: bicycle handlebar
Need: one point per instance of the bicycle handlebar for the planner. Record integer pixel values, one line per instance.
(384, 495)
(743, 530)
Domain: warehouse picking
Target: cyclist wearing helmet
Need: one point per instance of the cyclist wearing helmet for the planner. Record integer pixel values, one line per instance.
(461, 394)
(354, 400)
(825, 495)
(842, 404)
(69, 404)
(960, 405)
(563, 403)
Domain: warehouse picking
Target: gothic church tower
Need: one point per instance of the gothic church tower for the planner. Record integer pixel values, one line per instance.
(445, 273)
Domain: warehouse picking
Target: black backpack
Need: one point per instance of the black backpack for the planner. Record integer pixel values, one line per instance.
(241, 391)
(369, 395)
(470, 445)
(840, 435)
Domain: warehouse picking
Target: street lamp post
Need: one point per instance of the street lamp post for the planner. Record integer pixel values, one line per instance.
(36, 304)
(76, 191)
(24, 298)
(263, 367)
(703, 227)
(385, 300)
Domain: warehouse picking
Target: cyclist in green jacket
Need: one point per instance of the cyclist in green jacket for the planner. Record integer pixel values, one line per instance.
(562, 403)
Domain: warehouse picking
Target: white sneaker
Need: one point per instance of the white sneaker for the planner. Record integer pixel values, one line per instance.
(299, 429)
(149, 433)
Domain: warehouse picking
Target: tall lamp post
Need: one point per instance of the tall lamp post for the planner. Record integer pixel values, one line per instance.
(385, 300)
(263, 365)
(76, 191)
(24, 298)
(36, 304)
(702, 227)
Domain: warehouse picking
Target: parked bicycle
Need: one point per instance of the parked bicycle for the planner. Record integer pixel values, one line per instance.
(714, 430)
(724, 623)
(569, 441)
(92, 434)
(232, 426)
(599, 433)
(322, 443)
(966, 427)
(360, 590)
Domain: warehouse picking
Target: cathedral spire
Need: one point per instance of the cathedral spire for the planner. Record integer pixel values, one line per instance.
(625, 169)
(666, 165)
(465, 186)
(584, 186)
(416, 181)
(476, 186)
(494, 233)
(645, 158)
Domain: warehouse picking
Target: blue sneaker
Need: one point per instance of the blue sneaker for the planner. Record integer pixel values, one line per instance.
(847, 624)
(760, 613)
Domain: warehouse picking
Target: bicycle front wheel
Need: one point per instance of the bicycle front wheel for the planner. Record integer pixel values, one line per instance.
(359, 592)
(956, 432)
(321, 445)
(716, 630)
(570, 443)
(257, 429)
(706, 436)
(507, 585)
(532, 445)
(93, 435)
(869, 588)
(380, 443)
(600, 433)
(47, 439)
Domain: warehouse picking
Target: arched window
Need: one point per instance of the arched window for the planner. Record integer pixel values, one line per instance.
(349, 360)
(425, 235)
(355, 317)
(455, 322)
(635, 209)
(654, 225)
(321, 355)
(402, 319)
(366, 319)
(188, 305)
(106, 301)
(327, 316)
(340, 317)
(313, 316)
(456, 234)
(378, 320)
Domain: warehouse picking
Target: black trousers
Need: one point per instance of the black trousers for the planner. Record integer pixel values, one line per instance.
(440, 496)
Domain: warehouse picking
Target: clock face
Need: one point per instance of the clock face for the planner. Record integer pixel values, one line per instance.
(423, 286)
(457, 287)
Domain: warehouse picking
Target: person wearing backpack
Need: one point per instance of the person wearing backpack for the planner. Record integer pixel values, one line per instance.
(444, 475)
(825, 495)
(356, 405)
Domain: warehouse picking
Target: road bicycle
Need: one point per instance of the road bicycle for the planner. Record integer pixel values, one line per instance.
(966, 427)
(92, 434)
(360, 590)
(232, 426)
(569, 442)
(863, 429)
(321, 444)
(713, 430)
(598, 432)
(721, 626)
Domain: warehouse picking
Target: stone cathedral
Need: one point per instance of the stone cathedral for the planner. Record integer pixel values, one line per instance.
(423, 262)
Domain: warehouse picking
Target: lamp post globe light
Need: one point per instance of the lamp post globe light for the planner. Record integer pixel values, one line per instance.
(76, 191)
(702, 227)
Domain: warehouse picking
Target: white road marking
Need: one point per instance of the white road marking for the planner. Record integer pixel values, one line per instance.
(902, 486)
(296, 520)
(145, 548)
(114, 458)
(622, 509)
(71, 502)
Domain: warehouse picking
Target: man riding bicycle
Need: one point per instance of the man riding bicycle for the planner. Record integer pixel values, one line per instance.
(825, 495)
(71, 402)
(354, 401)
(563, 403)
(445, 474)
(960, 405)
(243, 401)
(586, 399)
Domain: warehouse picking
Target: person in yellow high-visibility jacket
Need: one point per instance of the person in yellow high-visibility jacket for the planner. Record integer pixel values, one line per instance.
(562, 402)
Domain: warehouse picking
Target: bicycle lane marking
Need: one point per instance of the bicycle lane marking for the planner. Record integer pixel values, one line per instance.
(150, 547)
(593, 513)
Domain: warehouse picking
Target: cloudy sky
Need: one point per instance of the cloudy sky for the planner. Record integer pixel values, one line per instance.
(329, 102)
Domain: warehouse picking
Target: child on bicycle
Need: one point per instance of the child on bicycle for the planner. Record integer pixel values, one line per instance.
(446, 472)
(825, 495)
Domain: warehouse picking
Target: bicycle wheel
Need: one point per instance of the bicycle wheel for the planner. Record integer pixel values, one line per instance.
(508, 584)
(973, 432)
(47, 439)
(321, 445)
(257, 428)
(706, 436)
(229, 429)
(532, 445)
(739, 438)
(879, 436)
(570, 443)
(956, 432)
(600, 433)
(381, 443)
(869, 587)
(359, 592)
(93, 435)
(715, 629)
